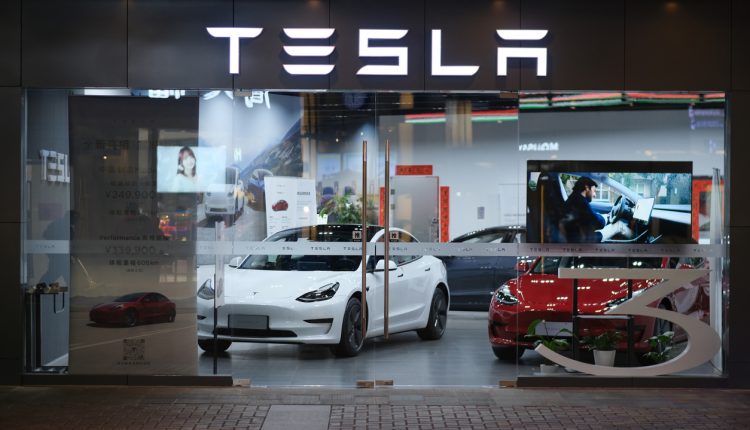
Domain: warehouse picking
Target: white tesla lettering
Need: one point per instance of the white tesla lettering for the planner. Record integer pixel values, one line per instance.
(234, 34)
(504, 53)
(703, 342)
(401, 53)
(365, 50)
(54, 166)
(309, 51)
(438, 69)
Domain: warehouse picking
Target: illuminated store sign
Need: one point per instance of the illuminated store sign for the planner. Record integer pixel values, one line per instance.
(399, 53)
(54, 166)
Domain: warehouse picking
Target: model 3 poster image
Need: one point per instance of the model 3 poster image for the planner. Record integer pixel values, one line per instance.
(608, 201)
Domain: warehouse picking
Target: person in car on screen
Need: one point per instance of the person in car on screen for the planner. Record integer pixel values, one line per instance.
(581, 223)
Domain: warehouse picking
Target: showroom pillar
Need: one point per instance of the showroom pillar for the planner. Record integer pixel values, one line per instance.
(11, 309)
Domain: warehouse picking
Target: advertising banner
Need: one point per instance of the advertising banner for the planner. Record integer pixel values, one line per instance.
(133, 305)
(290, 202)
(611, 202)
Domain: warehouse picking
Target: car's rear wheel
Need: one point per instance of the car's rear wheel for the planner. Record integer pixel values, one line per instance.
(131, 318)
(508, 353)
(437, 319)
(208, 345)
(351, 331)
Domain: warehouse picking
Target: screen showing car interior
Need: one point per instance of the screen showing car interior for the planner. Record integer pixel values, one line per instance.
(608, 202)
(642, 211)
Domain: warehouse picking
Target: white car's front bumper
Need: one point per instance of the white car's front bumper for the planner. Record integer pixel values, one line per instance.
(315, 323)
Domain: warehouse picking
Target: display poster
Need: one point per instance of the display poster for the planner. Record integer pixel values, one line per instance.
(290, 202)
(133, 305)
(608, 201)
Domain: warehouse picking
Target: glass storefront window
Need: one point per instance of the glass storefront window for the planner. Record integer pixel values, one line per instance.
(143, 206)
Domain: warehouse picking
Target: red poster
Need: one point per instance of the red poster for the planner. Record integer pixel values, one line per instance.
(414, 169)
(444, 213)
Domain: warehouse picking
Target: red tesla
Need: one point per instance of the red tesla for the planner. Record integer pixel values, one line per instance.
(279, 206)
(538, 294)
(132, 309)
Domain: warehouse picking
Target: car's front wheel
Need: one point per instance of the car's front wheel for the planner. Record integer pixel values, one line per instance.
(131, 318)
(351, 331)
(208, 345)
(438, 318)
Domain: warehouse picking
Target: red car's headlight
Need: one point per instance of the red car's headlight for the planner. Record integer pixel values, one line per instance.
(504, 296)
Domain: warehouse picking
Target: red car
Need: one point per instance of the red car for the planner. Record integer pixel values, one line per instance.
(281, 205)
(540, 294)
(132, 309)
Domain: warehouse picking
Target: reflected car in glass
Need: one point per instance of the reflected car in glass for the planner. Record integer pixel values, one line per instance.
(133, 309)
(316, 299)
(473, 279)
(539, 294)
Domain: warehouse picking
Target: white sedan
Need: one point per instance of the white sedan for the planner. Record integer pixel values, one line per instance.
(316, 299)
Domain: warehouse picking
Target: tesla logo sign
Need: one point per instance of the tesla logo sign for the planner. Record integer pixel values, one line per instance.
(319, 47)
(54, 166)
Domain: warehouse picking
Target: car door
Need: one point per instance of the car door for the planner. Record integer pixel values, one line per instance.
(472, 278)
(417, 284)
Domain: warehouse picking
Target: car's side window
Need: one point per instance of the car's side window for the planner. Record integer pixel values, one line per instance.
(405, 259)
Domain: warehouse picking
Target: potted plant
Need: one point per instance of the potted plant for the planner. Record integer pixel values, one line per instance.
(661, 347)
(604, 347)
(552, 341)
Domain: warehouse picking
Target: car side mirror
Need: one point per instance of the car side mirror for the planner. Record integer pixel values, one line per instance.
(522, 266)
(235, 262)
(380, 266)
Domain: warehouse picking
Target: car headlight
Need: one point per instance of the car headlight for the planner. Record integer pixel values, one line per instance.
(323, 293)
(504, 296)
(206, 291)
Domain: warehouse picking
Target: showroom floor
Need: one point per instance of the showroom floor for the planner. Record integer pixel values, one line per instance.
(461, 358)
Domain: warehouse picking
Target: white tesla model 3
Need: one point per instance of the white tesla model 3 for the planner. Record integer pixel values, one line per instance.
(316, 299)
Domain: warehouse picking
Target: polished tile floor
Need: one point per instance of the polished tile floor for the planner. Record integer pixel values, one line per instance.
(461, 358)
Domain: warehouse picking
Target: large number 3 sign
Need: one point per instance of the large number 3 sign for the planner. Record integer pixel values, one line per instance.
(703, 343)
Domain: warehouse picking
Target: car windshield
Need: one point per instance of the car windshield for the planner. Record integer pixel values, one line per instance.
(129, 298)
(320, 233)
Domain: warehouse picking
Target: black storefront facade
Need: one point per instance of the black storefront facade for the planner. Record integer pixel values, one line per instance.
(156, 49)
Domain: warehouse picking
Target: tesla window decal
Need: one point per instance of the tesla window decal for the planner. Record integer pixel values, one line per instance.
(703, 342)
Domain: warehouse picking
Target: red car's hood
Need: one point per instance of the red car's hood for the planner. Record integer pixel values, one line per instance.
(537, 292)
(109, 306)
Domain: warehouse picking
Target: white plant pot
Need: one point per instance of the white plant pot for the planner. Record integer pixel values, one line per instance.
(604, 358)
(548, 368)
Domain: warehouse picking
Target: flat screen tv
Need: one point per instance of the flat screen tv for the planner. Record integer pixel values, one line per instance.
(608, 201)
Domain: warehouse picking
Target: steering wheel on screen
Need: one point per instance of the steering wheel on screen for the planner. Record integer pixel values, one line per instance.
(622, 209)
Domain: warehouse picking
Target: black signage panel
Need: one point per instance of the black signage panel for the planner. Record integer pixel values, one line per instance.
(740, 44)
(405, 19)
(10, 136)
(585, 44)
(262, 59)
(170, 48)
(10, 43)
(75, 43)
(468, 36)
(677, 45)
